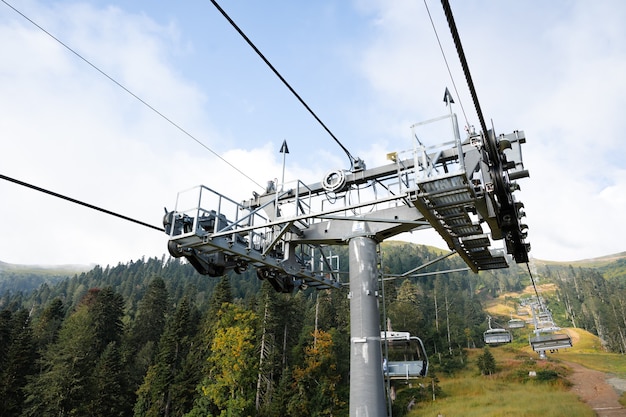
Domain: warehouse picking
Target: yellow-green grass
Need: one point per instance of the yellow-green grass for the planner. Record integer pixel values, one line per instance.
(587, 351)
(485, 397)
(509, 392)
(504, 305)
(498, 309)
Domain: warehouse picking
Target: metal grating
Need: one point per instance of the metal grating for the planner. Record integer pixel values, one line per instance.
(447, 202)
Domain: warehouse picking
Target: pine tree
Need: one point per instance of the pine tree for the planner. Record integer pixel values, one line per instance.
(49, 323)
(195, 366)
(110, 397)
(222, 294)
(107, 311)
(268, 310)
(65, 383)
(141, 343)
(18, 365)
(151, 316)
(163, 392)
(5, 335)
(405, 311)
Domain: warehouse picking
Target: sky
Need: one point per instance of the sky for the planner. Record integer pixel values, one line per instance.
(189, 94)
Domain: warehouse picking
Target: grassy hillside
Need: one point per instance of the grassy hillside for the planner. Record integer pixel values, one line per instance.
(44, 270)
(587, 352)
(610, 266)
(587, 349)
(586, 263)
(511, 391)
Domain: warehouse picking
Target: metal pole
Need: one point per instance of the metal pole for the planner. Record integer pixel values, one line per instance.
(367, 392)
(284, 150)
(386, 344)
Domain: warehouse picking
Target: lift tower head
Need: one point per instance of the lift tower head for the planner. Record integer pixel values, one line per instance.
(463, 188)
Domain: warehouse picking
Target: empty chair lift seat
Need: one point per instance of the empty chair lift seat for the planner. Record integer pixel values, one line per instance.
(516, 323)
(497, 336)
(550, 341)
(407, 356)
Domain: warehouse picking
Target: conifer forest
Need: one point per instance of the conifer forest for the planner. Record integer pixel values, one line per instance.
(154, 338)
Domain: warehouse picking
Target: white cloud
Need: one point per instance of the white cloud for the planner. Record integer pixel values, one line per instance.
(70, 130)
(552, 69)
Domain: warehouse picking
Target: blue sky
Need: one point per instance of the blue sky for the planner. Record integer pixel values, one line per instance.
(368, 68)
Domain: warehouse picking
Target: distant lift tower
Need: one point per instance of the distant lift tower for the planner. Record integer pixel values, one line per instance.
(463, 188)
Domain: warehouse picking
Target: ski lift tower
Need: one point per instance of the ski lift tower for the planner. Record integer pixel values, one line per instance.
(463, 188)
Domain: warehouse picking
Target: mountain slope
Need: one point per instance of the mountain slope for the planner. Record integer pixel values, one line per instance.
(26, 278)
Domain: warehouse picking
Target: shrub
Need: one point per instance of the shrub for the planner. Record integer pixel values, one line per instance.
(546, 375)
(486, 362)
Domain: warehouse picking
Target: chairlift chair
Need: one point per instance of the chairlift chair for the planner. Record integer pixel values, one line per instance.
(407, 356)
(550, 341)
(496, 336)
(516, 323)
(547, 336)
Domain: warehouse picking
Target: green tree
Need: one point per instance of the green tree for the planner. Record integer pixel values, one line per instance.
(67, 383)
(163, 391)
(229, 387)
(279, 326)
(5, 335)
(405, 312)
(64, 385)
(142, 340)
(151, 316)
(18, 365)
(486, 362)
(49, 323)
(315, 384)
(196, 367)
(222, 294)
(110, 397)
(107, 311)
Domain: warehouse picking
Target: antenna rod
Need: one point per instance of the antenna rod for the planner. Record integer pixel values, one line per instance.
(284, 150)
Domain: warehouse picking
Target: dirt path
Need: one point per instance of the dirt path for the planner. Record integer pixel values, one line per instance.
(592, 387)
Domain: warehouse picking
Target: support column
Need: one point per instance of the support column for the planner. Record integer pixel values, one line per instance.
(367, 391)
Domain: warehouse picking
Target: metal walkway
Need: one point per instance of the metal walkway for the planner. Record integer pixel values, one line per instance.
(446, 202)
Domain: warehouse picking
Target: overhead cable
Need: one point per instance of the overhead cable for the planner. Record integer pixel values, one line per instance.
(73, 200)
(447, 65)
(170, 121)
(532, 280)
(468, 76)
(275, 71)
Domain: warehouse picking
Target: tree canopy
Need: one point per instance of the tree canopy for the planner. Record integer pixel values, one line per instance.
(154, 338)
